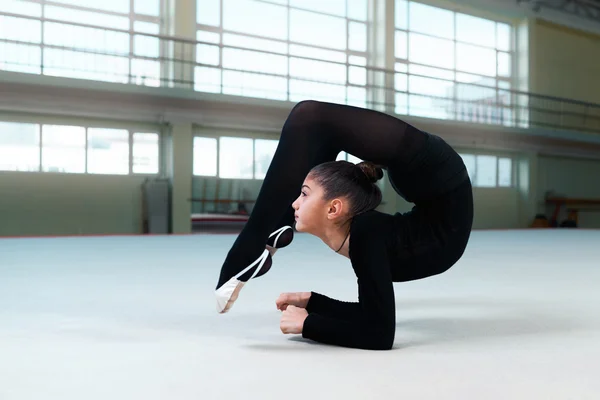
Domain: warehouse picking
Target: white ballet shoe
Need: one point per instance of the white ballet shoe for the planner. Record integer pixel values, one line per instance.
(228, 293)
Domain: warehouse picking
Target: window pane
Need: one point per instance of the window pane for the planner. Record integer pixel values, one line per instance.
(336, 7)
(431, 20)
(401, 17)
(145, 153)
(504, 64)
(303, 90)
(108, 151)
(431, 72)
(21, 7)
(357, 9)
(505, 172)
(253, 43)
(19, 147)
(356, 60)
(236, 158)
(148, 7)
(146, 46)
(469, 160)
(503, 37)
(254, 61)
(341, 156)
(20, 29)
(318, 30)
(75, 64)
(432, 51)
(207, 80)
(208, 12)
(354, 159)
(256, 18)
(428, 107)
(357, 33)
(475, 30)
(207, 54)
(146, 27)
(63, 148)
(20, 58)
(86, 17)
(357, 96)
(474, 59)
(401, 44)
(209, 37)
(264, 150)
(430, 86)
(254, 85)
(357, 75)
(120, 6)
(326, 55)
(401, 101)
(205, 156)
(145, 72)
(486, 171)
(97, 40)
(317, 70)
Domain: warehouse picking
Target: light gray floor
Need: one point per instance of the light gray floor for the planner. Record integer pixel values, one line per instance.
(134, 318)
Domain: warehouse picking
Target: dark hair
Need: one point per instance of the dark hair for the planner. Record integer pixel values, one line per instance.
(357, 182)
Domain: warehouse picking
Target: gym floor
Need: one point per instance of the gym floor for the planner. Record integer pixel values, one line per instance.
(518, 317)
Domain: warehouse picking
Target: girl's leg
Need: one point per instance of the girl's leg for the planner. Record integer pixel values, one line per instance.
(313, 133)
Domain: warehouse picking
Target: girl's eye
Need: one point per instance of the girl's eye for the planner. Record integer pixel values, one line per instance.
(303, 194)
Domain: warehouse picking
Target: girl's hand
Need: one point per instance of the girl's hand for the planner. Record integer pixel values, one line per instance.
(292, 319)
(299, 299)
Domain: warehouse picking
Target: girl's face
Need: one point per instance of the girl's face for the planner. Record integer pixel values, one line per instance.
(314, 214)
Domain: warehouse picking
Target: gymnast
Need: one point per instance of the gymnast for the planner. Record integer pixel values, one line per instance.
(336, 201)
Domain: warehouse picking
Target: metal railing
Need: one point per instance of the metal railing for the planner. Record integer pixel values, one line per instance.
(75, 50)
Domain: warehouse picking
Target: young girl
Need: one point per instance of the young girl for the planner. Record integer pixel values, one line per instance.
(337, 203)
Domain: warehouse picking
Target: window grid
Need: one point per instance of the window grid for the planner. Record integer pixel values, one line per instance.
(473, 173)
(289, 95)
(500, 82)
(85, 149)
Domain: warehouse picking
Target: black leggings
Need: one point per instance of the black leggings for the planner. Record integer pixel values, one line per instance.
(421, 167)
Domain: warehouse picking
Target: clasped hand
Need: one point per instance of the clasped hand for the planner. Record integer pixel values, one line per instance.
(293, 307)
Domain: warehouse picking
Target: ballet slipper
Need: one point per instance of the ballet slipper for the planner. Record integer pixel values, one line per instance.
(228, 293)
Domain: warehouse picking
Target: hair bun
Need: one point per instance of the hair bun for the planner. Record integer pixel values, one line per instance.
(372, 171)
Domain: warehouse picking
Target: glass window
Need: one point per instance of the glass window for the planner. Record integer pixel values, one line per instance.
(20, 7)
(357, 9)
(254, 17)
(86, 17)
(503, 36)
(504, 172)
(146, 150)
(264, 150)
(208, 12)
(431, 51)
(486, 171)
(19, 147)
(20, 58)
(316, 29)
(474, 59)
(236, 158)
(147, 7)
(63, 148)
(108, 151)
(120, 6)
(431, 20)
(357, 36)
(475, 30)
(469, 160)
(205, 156)
(401, 11)
(401, 45)
(336, 7)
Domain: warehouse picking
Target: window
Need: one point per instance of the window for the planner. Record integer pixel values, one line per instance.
(77, 149)
(108, 151)
(98, 53)
(145, 153)
(239, 158)
(475, 53)
(488, 170)
(236, 158)
(330, 33)
(63, 149)
(264, 150)
(205, 156)
(343, 156)
(19, 147)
